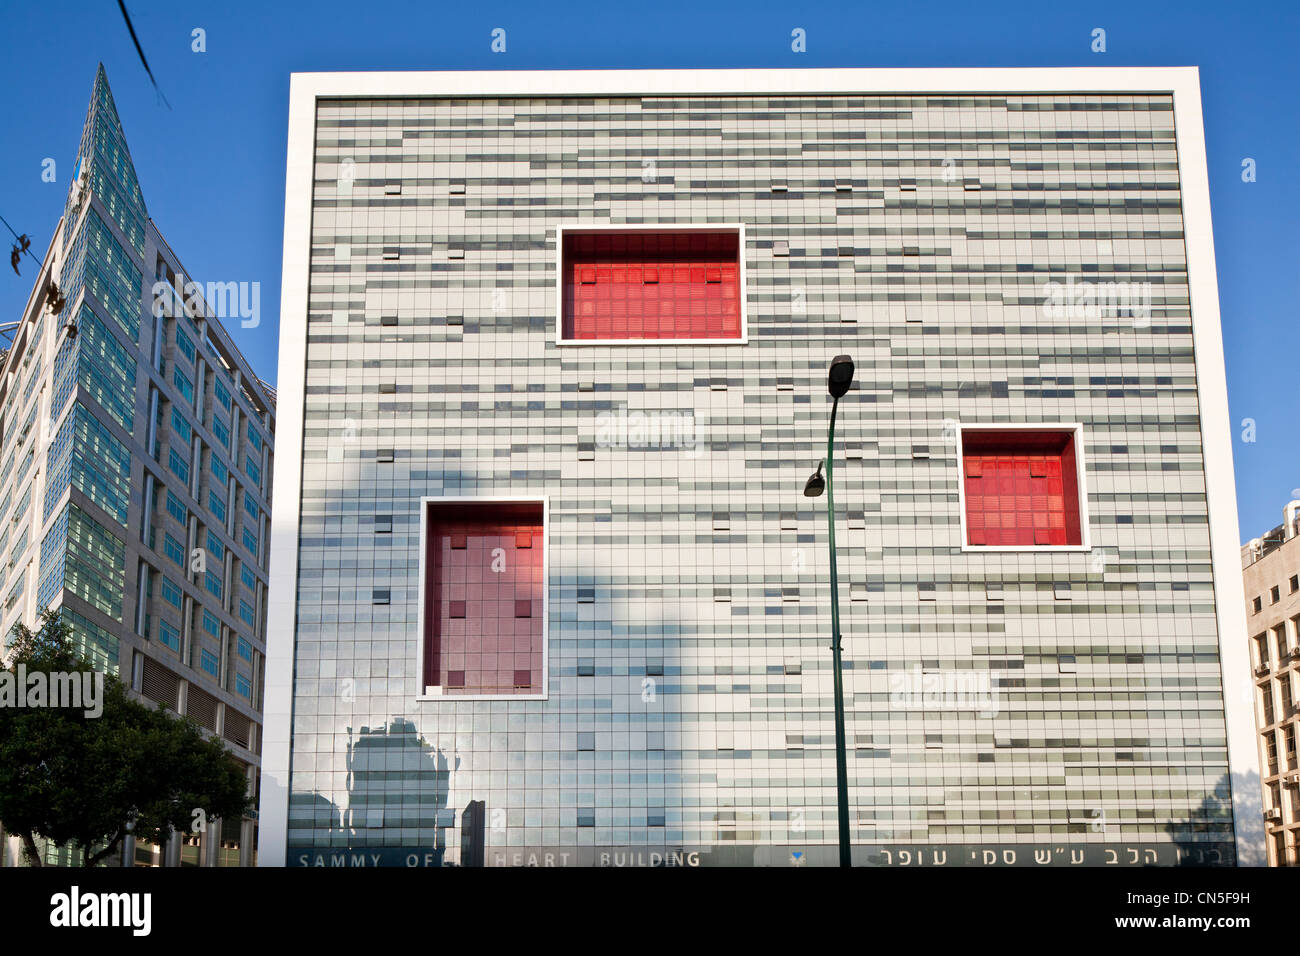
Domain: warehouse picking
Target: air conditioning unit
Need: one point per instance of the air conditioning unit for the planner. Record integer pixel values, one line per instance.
(1262, 669)
(1292, 779)
(1272, 813)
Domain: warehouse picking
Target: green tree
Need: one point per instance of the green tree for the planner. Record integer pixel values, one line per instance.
(78, 780)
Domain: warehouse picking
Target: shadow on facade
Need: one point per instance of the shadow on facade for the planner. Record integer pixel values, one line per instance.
(1193, 838)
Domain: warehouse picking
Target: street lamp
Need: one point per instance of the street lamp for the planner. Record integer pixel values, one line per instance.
(837, 383)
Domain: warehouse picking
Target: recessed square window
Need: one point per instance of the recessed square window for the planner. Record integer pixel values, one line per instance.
(482, 598)
(1021, 487)
(651, 284)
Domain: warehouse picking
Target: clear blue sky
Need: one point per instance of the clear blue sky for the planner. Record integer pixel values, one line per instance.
(212, 167)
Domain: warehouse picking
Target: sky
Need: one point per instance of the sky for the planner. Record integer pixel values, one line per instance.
(212, 165)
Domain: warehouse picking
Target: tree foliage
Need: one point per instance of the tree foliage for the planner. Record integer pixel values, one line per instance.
(78, 780)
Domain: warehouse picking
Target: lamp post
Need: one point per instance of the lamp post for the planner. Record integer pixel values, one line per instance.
(837, 384)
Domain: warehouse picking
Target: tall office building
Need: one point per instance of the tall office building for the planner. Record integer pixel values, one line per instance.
(1271, 573)
(135, 471)
(553, 371)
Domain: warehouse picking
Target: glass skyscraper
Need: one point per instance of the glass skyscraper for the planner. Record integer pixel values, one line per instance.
(553, 368)
(135, 462)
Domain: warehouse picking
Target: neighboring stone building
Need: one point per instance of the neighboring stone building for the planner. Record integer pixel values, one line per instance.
(1271, 572)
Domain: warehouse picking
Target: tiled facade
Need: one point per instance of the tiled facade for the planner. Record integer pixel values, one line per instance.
(688, 705)
(1271, 573)
(135, 473)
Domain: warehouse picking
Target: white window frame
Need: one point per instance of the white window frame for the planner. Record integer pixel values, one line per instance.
(587, 228)
(1076, 430)
(432, 693)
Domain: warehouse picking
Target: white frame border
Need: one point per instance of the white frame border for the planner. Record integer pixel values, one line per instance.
(581, 228)
(1182, 82)
(1076, 429)
(424, 697)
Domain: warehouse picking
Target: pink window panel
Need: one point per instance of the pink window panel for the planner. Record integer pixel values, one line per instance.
(642, 284)
(1021, 488)
(483, 598)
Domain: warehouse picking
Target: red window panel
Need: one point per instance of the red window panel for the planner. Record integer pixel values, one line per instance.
(642, 284)
(483, 580)
(1021, 488)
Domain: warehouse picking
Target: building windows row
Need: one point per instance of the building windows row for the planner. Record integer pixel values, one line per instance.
(217, 505)
(209, 661)
(185, 384)
(1021, 490)
(1275, 593)
(179, 465)
(1276, 644)
(169, 636)
(177, 509)
(171, 592)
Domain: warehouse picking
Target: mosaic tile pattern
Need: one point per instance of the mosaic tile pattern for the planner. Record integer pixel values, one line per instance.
(689, 684)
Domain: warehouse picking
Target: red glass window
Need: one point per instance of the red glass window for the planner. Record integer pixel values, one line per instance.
(643, 284)
(1021, 487)
(483, 594)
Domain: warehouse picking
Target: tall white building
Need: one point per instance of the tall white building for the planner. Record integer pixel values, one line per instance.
(553, 373)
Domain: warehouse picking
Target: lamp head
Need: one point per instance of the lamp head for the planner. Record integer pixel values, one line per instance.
(840, 377)
(816, 484)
